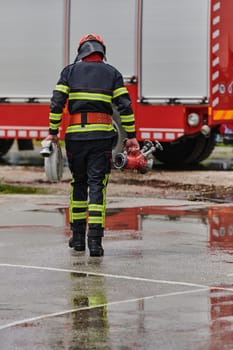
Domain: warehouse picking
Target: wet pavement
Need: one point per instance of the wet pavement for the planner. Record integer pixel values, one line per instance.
(165, 281)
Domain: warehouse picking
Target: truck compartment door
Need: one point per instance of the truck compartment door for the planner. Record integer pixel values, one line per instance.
(174, 49)
(114, 21)
(31, 38)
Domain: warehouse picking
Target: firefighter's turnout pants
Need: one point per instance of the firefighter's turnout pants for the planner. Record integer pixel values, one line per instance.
(90, 165)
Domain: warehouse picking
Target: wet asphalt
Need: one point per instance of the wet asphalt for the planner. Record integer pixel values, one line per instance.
(165, 281)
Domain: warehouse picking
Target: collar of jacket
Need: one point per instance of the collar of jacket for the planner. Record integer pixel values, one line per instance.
(94, 57)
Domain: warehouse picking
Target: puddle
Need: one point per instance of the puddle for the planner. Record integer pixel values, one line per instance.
(221, 227)
(131, 223)
(221, 312)
(128, 223)
(123, 300)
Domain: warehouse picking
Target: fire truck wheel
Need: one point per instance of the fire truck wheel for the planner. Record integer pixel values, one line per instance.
(172, 154)
(196, 146)
(121, 135)
(5, 145)
(210, 143)
(184, 152)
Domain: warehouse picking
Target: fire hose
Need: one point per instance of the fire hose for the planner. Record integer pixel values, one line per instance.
(141, 161)
(53, 160)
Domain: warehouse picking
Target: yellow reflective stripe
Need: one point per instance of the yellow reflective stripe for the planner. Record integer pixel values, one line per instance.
(79, 204)
(120, 91)
(62, 88)
(129, 128)
(71, 202)
(95, 207)
(70, 214)
(55, 116)
(79, 216)
(89, 127)
(99, 207)
(95, 220)
(223, 114)
(54, 126)
(90, 96)
(97, 300)
(127, 118)
(105, 182)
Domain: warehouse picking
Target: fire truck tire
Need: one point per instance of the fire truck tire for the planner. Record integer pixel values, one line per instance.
(210, 143)
(5, 145)
(172, 153)
(184, 152)
(54, 164)
(195, 149)
(121, 135)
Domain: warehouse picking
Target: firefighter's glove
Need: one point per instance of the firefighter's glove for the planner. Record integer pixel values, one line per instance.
(53, 138)
(132, 146)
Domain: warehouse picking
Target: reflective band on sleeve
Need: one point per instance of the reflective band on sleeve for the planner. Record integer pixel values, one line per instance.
(62, 88)
(127, 118)
(120, 91)
(129, 128)
(90, 97)
(54, 126)
(55, 116)
(54, 120)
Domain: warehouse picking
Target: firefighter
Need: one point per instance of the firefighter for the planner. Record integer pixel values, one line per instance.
(90, 86)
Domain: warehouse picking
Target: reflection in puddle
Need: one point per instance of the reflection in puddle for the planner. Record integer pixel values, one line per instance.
(219, 221)
(90, 324)
(130, 222)
(204, 317)
(221, 311)
(221, 227)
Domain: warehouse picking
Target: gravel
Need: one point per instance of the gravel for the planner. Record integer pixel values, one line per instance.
(167, 183)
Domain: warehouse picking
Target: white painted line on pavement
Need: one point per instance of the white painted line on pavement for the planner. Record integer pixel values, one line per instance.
(132, 278)
(201, 288)
(62, 313)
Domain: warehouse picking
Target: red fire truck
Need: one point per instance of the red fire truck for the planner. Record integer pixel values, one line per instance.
(176, 57)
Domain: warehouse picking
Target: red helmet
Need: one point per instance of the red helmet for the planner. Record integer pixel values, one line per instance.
(89, 44)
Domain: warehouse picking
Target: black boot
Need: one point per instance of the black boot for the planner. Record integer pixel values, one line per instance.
(95, 246)
(77, 241)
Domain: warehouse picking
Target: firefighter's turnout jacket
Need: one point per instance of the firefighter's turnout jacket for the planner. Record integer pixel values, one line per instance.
(90, 87)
